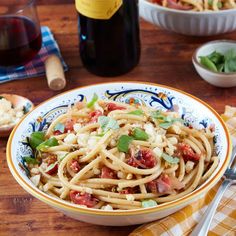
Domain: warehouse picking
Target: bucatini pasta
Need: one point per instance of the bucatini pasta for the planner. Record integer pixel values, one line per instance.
(115, 156)
(197, 5)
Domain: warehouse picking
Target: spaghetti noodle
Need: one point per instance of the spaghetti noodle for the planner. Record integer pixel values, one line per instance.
(114, 156)
(197, 5)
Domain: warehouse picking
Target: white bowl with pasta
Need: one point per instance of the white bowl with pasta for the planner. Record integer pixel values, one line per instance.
(119, 153)
(195, 21)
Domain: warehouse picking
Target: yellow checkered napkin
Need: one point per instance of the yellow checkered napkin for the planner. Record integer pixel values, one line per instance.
(182, 222)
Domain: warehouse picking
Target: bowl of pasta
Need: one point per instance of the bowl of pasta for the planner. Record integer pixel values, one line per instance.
(190, 17)
(119, 153)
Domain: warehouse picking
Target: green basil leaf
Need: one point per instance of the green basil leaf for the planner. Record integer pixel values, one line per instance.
(136, 112)
(60, 127)
(48, 143)
(107, 123)
(139, 134)
(230, 54)
(170, 159)
(123, 143)
(206, 62)
(93, 101)
(1, 97)
(149, 203)
(230, 65)
(36, 138)
(220, 67)
(216, 57)
(30, 160)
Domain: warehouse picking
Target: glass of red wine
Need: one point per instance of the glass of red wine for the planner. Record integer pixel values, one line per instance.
(20, 33)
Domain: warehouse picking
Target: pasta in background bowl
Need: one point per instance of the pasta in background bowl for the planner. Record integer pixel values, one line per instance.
(196, 20)
(102, 157)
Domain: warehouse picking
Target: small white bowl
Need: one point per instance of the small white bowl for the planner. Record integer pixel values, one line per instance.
(219, 79)
(188, 22)
(17, 101)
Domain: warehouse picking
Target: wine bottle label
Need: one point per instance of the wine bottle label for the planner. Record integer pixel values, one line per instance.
(98, 9)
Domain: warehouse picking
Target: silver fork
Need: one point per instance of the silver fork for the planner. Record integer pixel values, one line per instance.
(229, 178)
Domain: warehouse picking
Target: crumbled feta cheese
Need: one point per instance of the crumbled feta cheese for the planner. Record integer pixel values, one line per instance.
(173, 140)
(77, 127)
(61, 155)
(107, 208)
(82, 139)
(158, 151)
(129, 197)
(70, 139)
(35, 180)
(150, 130)
(92, 141)
(158, 138)
(8, 114)
(189, 166)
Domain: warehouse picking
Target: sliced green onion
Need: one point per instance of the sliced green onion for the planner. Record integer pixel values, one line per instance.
(93, 101)
(170, 159)
(107, 123)
(123, 143)
(60, 127)
(149, 203)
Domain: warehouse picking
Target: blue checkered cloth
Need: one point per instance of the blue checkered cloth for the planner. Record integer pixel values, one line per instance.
(36, 67)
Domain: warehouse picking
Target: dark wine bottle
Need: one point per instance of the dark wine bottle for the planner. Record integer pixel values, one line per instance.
(109, 35)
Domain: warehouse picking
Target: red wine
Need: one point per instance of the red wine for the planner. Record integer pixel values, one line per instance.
(20, 40)
(111, 47)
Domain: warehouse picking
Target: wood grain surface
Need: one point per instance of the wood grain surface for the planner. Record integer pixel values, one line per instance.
(165, 59)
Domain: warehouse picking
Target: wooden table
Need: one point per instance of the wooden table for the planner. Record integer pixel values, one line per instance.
(165, 59)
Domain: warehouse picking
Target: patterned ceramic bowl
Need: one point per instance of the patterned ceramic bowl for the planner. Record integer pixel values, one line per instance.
(192, 110)
(188, 22)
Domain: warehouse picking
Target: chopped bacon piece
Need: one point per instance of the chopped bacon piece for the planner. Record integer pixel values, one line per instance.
(144, 158)
(128, 191)
(57, 132)
(108, 173)
(85, 199)
(164, 184)
(69, 124)
(74, 166)
(185, 151)
(52, 158)
(112, 107)
(94, 116)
